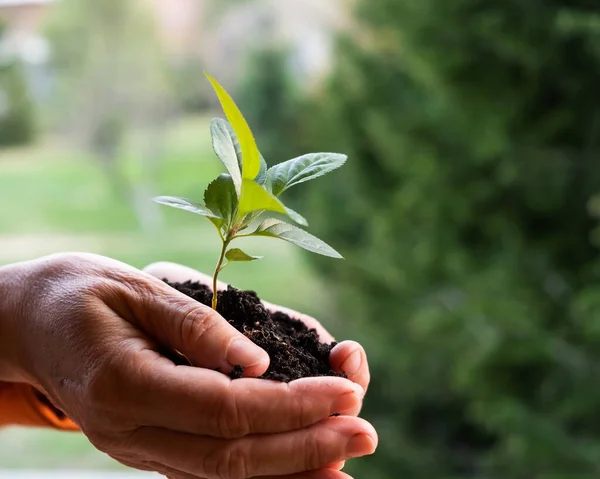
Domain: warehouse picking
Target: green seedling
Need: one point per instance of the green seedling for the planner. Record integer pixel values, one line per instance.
(245, 201)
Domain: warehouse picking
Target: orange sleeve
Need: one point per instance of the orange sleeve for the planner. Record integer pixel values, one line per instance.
(22, 405)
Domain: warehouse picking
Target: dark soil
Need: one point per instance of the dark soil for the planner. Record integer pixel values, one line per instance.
(295, 350)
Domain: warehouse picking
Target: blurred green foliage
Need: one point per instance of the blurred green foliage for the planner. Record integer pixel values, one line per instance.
(17, 117)
(269, 97)
(466, 214)
(111, 76)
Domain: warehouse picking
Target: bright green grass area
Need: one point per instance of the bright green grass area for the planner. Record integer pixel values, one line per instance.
(53, 199)
(49, 188)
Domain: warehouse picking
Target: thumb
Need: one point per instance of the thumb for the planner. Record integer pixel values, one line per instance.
(194, 330)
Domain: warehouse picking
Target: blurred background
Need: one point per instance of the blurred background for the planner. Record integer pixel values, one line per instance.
(468, 211)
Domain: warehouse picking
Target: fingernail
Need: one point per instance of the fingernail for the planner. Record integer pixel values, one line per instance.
(360, 445)
(345, 404)
(358, 390)
(351, 366)
(243, 352)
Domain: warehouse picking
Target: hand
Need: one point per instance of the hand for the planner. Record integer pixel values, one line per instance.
(348, 356)
(87, 331)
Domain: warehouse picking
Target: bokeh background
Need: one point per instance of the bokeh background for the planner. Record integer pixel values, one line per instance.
(467, 213)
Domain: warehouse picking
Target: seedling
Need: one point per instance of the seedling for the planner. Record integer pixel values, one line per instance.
(244, 201)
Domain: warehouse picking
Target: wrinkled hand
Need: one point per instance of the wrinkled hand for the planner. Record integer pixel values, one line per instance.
(88, 331)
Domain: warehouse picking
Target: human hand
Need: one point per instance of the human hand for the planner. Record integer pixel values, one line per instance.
(87, 331)
(348, 357)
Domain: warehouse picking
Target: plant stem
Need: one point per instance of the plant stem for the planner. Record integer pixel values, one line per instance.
(217, 271)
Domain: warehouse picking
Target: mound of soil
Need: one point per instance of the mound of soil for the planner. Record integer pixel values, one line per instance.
(295, 350)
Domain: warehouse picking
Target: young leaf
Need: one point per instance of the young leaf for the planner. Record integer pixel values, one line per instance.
(228, 149)
(236, 254)
(218, 222)
(255, 197)
(250, 154)
(220, 198)
(187, 205)
(297, 236)
(261, 178)
(304, 168)
(297, 217)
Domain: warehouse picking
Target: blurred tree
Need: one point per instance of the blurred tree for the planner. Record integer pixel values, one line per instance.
(268, 96)
(17, 118)
(472, 270)
(192, 92)
(113, 80)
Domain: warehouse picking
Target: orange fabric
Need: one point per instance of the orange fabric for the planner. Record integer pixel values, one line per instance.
(20, 405)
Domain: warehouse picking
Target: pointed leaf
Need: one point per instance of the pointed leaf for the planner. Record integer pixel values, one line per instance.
(187, 205)
(289, 214)
(261, 178)
(218, 222)
(297, 217)
(236, 254)
(255, 197)
(304, 168)
(228, 149)
(220, 198)
(297, 236)
(250, 154)
(236, 143)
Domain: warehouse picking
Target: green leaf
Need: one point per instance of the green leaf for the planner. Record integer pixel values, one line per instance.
(187, 205)
(255, 197)
(250, 154)
(220, 197)
(304, 168)
(299, 237)
(297, 217)
(261, 178)
(236, 254)
(289, 214)
(218, 222)
(225, 127)
(227, 148)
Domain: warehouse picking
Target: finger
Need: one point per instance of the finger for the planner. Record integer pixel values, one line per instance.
(311, 448)
(309, 321)
(187, 326)
(326, 473)
(331, 472)
(320, 474)
(151, 466)
(205, 402)
(178, 273)
(350, 358)
(134, 465)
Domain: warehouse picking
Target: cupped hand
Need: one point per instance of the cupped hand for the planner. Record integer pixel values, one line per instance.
(88, 332)
(348, 357)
